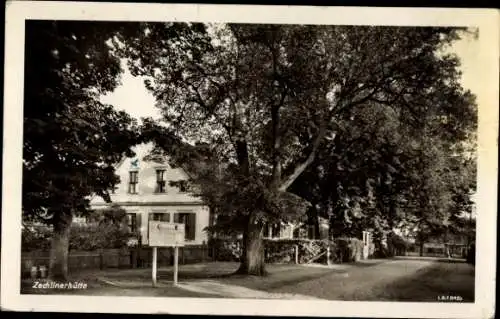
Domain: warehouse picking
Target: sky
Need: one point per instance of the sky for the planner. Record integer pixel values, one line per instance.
(132, 96)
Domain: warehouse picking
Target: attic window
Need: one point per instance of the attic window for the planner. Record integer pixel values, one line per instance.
(160, 181)
(133, 181)
(183, 186)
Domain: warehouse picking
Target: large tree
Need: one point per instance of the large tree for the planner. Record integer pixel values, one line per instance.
(267, 98)
(71, 140)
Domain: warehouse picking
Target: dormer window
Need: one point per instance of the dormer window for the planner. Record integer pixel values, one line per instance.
(133, 181)
(160, 181)
(183, 186)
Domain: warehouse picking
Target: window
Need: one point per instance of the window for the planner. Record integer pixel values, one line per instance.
(133, 181)
(183, 186)
(160, 181)
(275, 230)
(162, 217)
(132, 222)
(189, 221)
(272, 230)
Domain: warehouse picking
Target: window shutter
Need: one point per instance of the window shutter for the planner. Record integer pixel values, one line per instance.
(138, 222)
(191, 220)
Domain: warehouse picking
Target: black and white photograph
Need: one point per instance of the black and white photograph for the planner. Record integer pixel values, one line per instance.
(217, 159)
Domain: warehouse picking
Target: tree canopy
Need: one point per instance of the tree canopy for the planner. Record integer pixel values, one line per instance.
(269, 101)
(71, 140)
(367, 125)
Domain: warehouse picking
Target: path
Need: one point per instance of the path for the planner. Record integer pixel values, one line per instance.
(233, 291)
(413, 279)
(400, 279)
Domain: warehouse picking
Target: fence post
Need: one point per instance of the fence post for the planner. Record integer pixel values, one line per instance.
(296, 254)
(328, 255)
(34, 272)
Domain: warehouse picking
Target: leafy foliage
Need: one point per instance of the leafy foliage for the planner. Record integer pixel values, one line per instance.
(35, 238)
(71, 140)
(269, 102)
(106, 229)
(101, 236)
(342, 250)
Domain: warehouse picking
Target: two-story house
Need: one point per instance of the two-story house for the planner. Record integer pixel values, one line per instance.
(145, 193)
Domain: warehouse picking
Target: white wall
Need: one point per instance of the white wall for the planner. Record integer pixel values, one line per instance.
(147, 182)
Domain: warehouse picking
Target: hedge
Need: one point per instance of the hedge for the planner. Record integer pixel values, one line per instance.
(35, 238)
(82, 237)
(283, 250)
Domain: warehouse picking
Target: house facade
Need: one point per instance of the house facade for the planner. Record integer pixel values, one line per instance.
(146, 194)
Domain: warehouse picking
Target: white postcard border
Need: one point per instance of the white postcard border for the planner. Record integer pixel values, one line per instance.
(18, 11)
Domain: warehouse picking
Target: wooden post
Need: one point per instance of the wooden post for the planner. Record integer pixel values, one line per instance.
(297, 254)
(328, 255)
(176, 264)
(154, 266)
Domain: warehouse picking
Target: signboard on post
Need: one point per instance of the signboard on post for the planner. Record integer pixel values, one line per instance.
(165, 234)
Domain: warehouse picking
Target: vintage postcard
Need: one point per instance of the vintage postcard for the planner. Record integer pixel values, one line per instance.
(250, 160)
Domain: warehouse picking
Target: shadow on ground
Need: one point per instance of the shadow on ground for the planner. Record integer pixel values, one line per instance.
(222, 270)
(435, 259)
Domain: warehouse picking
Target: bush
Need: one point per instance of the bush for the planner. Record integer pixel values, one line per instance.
(276, 251)
(283, 251)
(82, 237)
(102, 236)
(35, 238)
(225, 249)
(396, 244)
(280, 251)
(348, 249)
(341, 250)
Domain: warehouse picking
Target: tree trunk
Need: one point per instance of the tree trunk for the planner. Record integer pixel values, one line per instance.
(58, 268)
(252, 261)
(421, 249)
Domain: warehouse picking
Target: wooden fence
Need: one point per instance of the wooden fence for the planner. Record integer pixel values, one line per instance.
(116, 258)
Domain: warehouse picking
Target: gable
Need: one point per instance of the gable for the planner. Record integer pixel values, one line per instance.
(145, 161)
(144, 170)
